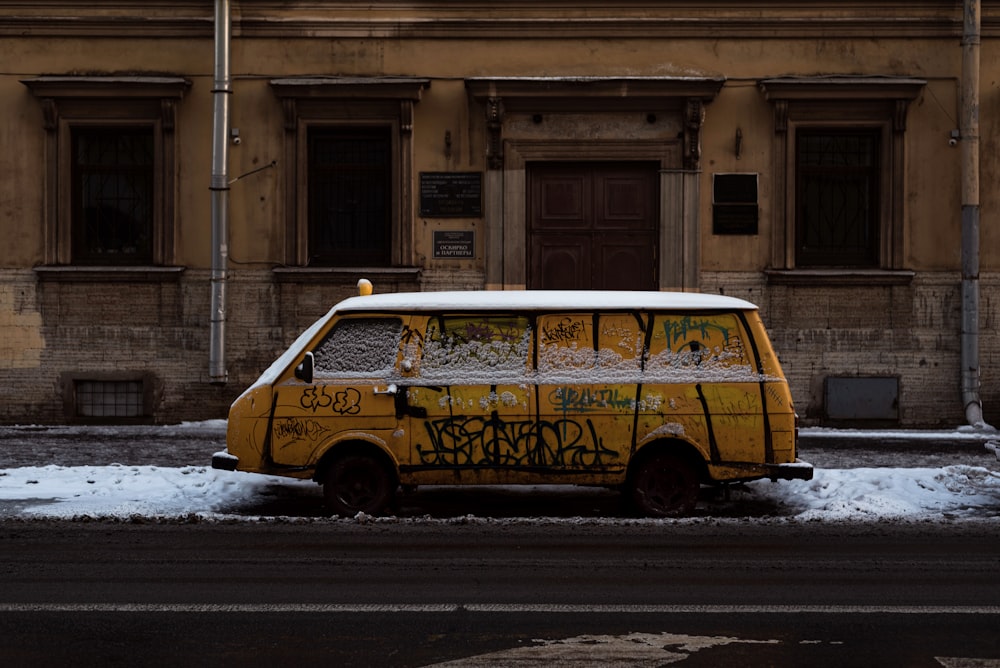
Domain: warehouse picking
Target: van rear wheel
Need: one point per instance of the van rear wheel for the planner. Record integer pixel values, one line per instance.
(358, 484)
(665, 485)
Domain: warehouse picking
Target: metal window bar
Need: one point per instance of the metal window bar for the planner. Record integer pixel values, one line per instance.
(112, 195)
(109, 398)
(837, 197)
(350, 196)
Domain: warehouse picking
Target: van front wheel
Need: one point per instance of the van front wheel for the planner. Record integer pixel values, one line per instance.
(358, 484)
(664, 485)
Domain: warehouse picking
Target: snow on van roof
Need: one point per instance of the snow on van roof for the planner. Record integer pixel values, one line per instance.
(536, 300)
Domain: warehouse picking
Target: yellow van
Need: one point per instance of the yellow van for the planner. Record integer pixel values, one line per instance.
(655, 393)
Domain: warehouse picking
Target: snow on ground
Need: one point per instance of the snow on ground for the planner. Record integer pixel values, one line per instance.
(944, 487)
(864, 495)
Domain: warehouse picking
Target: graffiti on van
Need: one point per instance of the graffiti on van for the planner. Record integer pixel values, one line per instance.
(289, 431)
(742, 410)
(566, 329)
(493, 441)
(341, 402)
(584, 399)
(677, 329)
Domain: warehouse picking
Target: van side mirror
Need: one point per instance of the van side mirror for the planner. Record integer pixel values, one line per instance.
(304, 371)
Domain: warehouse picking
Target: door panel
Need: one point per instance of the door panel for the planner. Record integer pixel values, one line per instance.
(563, 200)
(625, 261)
(564, 261)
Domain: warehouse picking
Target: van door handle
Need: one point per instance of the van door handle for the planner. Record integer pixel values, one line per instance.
(403, 407)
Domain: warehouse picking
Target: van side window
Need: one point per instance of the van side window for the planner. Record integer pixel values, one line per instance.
(569, 348)
(710, 342)
(476, 349)
(566, 346)
(621, 340)
(359, 347)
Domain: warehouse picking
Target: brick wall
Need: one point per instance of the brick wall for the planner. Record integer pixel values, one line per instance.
(51, 331)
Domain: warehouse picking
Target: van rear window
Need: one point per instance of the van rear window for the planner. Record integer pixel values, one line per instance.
(359, 347)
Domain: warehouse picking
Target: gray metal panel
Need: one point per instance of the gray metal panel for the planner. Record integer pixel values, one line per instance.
(862, 398)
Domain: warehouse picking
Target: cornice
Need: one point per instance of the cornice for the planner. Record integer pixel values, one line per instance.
(481, 19)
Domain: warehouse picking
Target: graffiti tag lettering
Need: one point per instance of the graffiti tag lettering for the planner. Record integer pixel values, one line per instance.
(344, 402)
(293, 431)
(565, 330)
(494, 442)
(679, 329)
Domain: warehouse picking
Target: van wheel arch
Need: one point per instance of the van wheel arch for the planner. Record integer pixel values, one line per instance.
(357, 477)
(664, 478)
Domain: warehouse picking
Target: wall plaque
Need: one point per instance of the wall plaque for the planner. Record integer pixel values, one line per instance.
(451, 194)
(454, 244)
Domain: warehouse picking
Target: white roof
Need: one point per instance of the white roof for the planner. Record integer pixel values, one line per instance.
(542, 300)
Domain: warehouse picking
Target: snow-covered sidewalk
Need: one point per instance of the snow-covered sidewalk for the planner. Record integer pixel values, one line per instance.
(941, 484)
(950, 493)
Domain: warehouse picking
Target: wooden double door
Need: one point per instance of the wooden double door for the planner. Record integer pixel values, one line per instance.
(593, 226)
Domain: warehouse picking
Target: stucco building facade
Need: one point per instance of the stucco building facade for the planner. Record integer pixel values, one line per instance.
(812, 158)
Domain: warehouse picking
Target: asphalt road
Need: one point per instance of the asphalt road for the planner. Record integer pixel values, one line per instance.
(715, 593)
(307, 591)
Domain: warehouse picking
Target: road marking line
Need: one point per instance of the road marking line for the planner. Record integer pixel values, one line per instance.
(504, 608)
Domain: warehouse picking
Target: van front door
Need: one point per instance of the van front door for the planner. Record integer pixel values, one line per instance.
(353, 394)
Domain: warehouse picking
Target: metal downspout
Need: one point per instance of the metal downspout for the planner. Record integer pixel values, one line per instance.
(969, 132)
(219, 187)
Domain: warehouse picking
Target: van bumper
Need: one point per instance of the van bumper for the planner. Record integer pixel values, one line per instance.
(224, 461)
(797, 470)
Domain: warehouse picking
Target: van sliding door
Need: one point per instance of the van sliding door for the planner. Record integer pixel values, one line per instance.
(473, 393)
(588, 369)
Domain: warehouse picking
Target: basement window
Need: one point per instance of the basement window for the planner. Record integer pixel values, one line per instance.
(108, 399)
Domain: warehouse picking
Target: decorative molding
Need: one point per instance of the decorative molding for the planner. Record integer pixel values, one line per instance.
(347, 275)
(594, 94)
(351, 88)
(328, 100)
(816, 101)
(842, 88)
(781, 116)
(694, 117)
(94, 274)
(484, 19)
(839, 277)
(494, 131)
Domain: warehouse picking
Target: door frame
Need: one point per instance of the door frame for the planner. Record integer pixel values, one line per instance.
(506, 206)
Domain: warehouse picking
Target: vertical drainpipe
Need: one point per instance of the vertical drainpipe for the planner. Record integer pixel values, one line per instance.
(969, 132)
(220, 195)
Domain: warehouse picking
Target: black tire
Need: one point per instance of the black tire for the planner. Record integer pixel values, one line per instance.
(358, 484)
(664, 485)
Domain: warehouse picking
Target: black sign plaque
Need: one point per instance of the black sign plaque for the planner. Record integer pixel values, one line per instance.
(451, 194)
(454, 244)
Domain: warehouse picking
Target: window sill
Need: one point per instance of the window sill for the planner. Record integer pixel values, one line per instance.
(839, 277)
(347, 275)
(94, 274)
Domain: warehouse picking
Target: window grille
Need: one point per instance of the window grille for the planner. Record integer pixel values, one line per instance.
(112, 177)
(350, 196)
(837, 198)
(109, 398)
